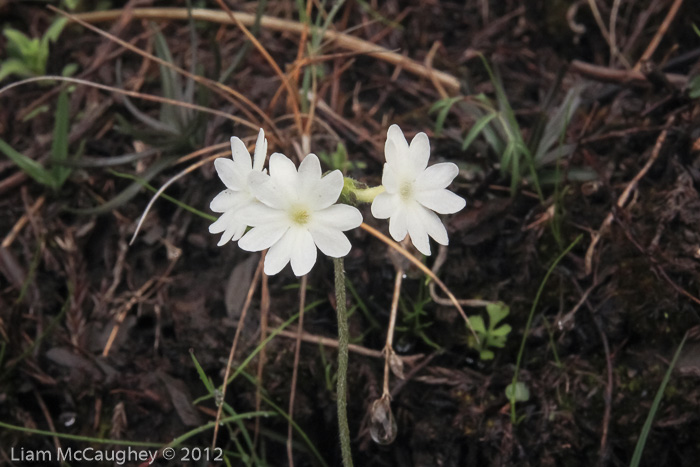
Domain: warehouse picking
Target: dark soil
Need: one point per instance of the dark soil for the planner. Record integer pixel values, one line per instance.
(604, 330)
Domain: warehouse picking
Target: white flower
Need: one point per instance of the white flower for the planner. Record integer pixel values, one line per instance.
(414, 191)
(234, 173)
(297, 214)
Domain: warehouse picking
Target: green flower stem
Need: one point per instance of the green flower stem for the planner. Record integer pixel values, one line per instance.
(367, 195)
(343, 338)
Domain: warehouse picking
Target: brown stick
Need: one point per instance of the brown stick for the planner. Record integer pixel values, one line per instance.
(651, 48)
(295, 369)
(341, 40)
(625, 195)
(241, 322)
(611, 75)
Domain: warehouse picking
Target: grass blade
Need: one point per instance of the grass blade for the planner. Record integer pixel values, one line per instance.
(637, 456)
(27, 165)
(59, 147)
(479, 125)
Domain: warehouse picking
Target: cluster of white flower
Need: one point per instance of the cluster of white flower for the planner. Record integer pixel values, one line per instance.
(292, 212)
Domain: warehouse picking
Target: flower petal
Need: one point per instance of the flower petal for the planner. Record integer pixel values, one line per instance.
(391, 153)
(437, 176)
(441, 201)
(390, 179)
(419, 152)
(284, 174)
(338, 216)
(330, 241)
(228, 200)
(417, 230)
(322, 193)
(279, 254)
(230, 174)
(240, 153)
(433, 225)
(256, 214)
(225, 221)
(385, 205)
(267, 191)
(260, 151)
(303, 252)
(309, 171)
(263, 236)
(397, 224)
(396, 135)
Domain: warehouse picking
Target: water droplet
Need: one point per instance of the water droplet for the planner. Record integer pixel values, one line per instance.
(67, 418)
(382, 426)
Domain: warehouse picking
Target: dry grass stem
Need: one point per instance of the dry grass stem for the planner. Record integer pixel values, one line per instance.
(423, 268)
(388, 348)
(333, 343)
(622, 200)
(229, 363)
(341, 40)
(295, 368)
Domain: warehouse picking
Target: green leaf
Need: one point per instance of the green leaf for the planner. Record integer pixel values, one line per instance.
(477, 129)
(694, 87)
(27, 165)
(59, 147)
(69, 70)
(15, 66)
(19, 44)
(507, 156)
(496, 312)
(478, 324)
(501, 331)
(486, 355)
(520, 393)
(52, 34)
(37, 111)
(444, 105)
(641, 442)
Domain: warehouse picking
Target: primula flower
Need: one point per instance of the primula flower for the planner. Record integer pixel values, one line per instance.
(296, 214)
(414, 191)
(237, 195)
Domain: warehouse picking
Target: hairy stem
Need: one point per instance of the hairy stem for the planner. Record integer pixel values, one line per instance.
(367, 195)
(343, 338)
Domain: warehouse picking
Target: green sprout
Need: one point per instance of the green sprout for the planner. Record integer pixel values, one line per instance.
(58, 171)
(338, 160)
(27, 57)
(495, 335)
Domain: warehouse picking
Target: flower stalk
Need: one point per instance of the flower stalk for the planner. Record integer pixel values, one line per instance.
(343, 338)
(367, 195)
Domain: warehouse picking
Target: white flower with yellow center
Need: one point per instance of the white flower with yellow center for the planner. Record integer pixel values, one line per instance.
(296, 214)
(414, 191)
(237, 195)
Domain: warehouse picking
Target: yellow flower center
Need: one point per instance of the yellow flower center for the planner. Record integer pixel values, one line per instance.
(406, 191)
(299, 216)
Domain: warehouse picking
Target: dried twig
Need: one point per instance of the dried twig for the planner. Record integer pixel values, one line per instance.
(423, 268)
(239, 328)
(630, 77)
(632, 185)
(295, 368)
(388, 347)
(651, 48)
(19, 225)
(333, 343)
(341, 40)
